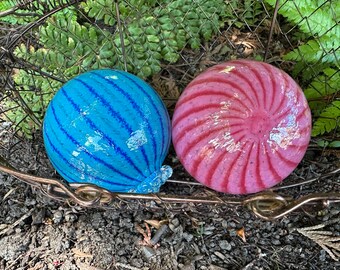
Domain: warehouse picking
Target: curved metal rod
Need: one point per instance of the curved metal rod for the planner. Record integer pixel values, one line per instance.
(281, 211)
(40, 181)
(267, 205)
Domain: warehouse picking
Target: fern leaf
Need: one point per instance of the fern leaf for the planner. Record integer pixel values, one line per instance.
(329, 119)
(325, 143)
(316, 50)
(313, 17)
(318, 20)
(325, 84)
(322, 89)
(7, 8)
(7, 4)
(29, 11)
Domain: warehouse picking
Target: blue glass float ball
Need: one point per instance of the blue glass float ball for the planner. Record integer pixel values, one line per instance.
(111, 129)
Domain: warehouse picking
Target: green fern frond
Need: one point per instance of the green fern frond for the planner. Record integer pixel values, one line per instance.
(37, 101)
(322, 88)
(316, 50)
(7, 4)
(313, 17)
(154, 31)
(253, 12)
(28, 11)
(317, 20)
(325, 84)
(318, 58)
(329, 120)
(326, 143)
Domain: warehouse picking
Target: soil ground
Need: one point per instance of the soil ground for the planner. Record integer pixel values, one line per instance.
(37, 232)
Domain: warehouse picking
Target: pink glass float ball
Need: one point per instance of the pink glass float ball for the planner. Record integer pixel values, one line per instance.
(241, 127)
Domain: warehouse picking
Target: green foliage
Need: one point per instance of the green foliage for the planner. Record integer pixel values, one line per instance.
(317, 59)
(69, 43)
(313, 51)
(12, 19)
(328, 120)
(244, 11)
(317, 19)
(28, 11)
(321, 89)
(150, 37)
(30, 107)
(332, 144)
(68, 50)
(104, 10)
(170, 24)
(308, 15)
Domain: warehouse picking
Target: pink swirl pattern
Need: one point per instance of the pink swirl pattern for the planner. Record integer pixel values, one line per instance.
(241, 127)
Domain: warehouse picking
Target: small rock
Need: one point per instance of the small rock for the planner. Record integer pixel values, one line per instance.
(225, 245)
(322, 256)
(224, 223)
(288, 248)
(187, 236)
(208, 230)
(148, 252)
(232, 224)
(290, 237)
(334, 212)
(219, 255)
(71, 217)
(57, 217)
(276, 242)
(30, 202)
(38, 216)
(233, 232)
(172, 227)
(175, 222)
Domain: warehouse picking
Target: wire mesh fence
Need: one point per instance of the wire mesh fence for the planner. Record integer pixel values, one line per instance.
(43, 44)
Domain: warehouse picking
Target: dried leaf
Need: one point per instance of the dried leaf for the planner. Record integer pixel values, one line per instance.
(241, 234)
(12, 226)
(166, 87)
(172, 87)
(48, 221)
(78, 253)
(9, 193)
(84, 266)
(156, 223)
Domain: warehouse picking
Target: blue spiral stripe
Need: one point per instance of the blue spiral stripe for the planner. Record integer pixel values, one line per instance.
(75, 142)
(114, 113)
(75, 167)
(137, 108)
(154, 107)
(93, 126)
(106, 104)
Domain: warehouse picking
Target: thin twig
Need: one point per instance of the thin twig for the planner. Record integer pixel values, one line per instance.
(120, 29)
(271, 29)
(12, 226)
(336, 171)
